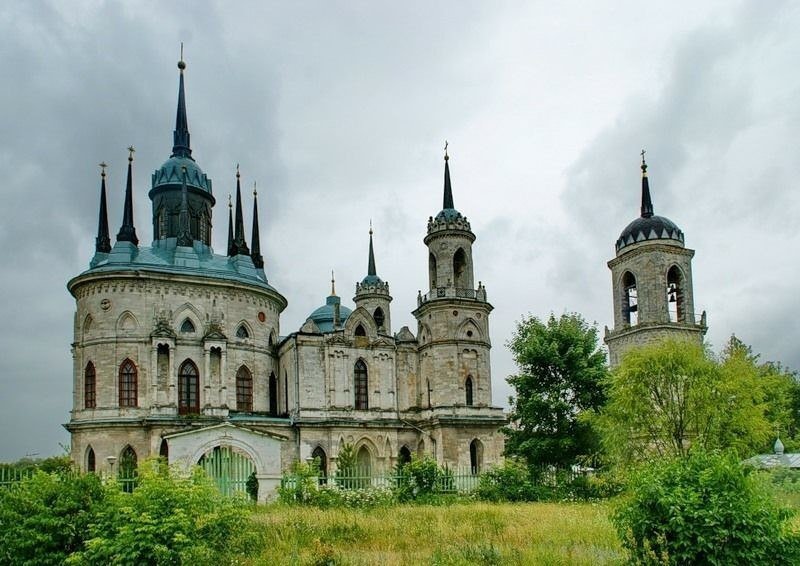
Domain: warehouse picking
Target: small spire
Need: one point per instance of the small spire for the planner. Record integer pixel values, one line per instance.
(371, 265)
(103, 241)
(231, 248)
(184, 232)
(333, 284)
(181, 146)
(448, 189)
(647, 203)
(238, 235)
(127, 232)
(255, 253)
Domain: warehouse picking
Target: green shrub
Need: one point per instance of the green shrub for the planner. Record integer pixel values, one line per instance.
(168, 519)
(703, 509)
(510, 481)
(44, 518)
(419, 477)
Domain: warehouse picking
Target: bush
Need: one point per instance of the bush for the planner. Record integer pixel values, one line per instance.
(419, 477)
(703, 509)
(44, 518)
(168, 519)
(510, 481)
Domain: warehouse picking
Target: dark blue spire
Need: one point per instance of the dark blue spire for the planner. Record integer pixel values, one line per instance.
(231, 247)
(103, 241)
(647, 202)
(181, 146)
(127, 232)
(371, 264)
(448, 189)
(255, 253)
(238, 235)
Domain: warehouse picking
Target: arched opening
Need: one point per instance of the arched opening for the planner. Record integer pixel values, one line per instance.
(229, 467)
(91, 463)
(460, 269)
(126, 473)
(468, 390)
(187, 327)
(404, 456)
(361, 383)
(432, 270)
(675, 295)
(285, 392)
(428, 387)
(242, 332)
(379, 317)
(163, 450)
(475, 456)
(630, 299)
(360, 330)
(244, 390)
(188, 389)
(273, 395)
(128, 386)
(322, 461)
(89, 387)
(87, 326)
(364, 463)
(162, 366)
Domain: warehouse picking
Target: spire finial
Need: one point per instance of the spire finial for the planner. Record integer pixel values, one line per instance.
(102, 166)
(255, 240)
(131, 151)
(370, 226)
(371, 263)
(237, 171)
(230, 201)
(647, 202)
(181, 63)
(239, 241)
(446, 157)
(333, 284)
(255, 192)
(448, 189)
(127, 232)
(103, 241)
(181, 147)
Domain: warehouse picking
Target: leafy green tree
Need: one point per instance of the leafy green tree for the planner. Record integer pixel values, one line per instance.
(668, 397)
(561, 378)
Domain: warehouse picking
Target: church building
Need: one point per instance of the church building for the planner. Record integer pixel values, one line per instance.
(178, 351)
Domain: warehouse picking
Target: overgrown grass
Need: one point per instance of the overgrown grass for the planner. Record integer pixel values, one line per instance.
(459, 534)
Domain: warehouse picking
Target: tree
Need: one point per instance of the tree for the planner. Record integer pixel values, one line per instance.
(665, 398)
(561, 377)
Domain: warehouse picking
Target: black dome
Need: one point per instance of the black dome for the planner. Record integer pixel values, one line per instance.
(649, 228)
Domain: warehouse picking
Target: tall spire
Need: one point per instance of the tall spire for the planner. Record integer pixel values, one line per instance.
(181, 146)
(127, 233)
(647, 203)
(238, 236)
(333, 284)
(371, 265)
(255, 253)
(103, 242)
(231, 248)
(184, 232)
(448, 190)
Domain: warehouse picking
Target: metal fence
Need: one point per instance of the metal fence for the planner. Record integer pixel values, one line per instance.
(447, 481)
(10, 476)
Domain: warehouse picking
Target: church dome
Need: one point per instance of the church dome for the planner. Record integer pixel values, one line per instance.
(324, 315)
(371, 280)
(171, 173)
(649, 228)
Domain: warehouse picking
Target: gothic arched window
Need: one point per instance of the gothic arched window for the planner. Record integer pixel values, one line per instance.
(244, 390)
(379, 317)
(188, 389)
(360, 330)
(675, 295)
(630, 299)
(475, 456)
(163, 450)
(432, 270)
(128, 384)
(91, 463)
(242, 332)
(128, 462)
(361, 386)
(187, 327)
(468, 388)
(404, 456)
(322, 460)
(89, 387)
(460, 269)
(273, 395)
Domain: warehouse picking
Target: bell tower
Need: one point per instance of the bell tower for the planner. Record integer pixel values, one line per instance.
(373, 294)
(453, 316)
(652, 283)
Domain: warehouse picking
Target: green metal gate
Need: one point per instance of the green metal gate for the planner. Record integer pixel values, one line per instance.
(228, 467)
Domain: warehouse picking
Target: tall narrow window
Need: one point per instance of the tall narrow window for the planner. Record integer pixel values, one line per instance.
(475, 456)
(630, 299)
(273, 395)
(428, 386)
(675, 299)
(128, 386)
(460, 269)
(163, 450)
(468, 388)
(162, 366)
(285, 392)
(91, 464)
(379, 317)
(322, 461)
(89, 387)
(404, 457)
(432, 270)
(128, 462)
(361, 386)
(244, 390)
(188, 389)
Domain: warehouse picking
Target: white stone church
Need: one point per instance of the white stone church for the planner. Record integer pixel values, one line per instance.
(179, 352)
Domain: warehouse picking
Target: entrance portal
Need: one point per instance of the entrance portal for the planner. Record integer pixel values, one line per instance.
(228, 467)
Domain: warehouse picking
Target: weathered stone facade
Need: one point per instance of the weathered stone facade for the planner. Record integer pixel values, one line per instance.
(178, 352)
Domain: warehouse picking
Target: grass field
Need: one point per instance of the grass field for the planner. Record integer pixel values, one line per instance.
(467, 533)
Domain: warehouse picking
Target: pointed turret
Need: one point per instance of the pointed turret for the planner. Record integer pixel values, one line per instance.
(103, 241)
(373, 293)
(371, 264)
(647, 203)
(127, 233)
(258, 259)
(184, 233)
(231, 247)
(447, 203)
(238, 235)
(181, 146)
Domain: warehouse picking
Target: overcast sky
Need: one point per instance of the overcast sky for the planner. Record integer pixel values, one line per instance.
(340, 111)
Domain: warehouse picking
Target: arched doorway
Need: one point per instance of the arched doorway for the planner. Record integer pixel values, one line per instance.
(188, 389)
(322, 460)
(404, 456)
(126, 475)
(228, 467)
(475, 456)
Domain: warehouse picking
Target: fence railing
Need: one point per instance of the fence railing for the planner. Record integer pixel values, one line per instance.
(10, 476)
(448, 481)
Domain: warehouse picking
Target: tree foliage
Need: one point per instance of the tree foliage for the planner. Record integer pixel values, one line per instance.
(669, 397)
(561, 377)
